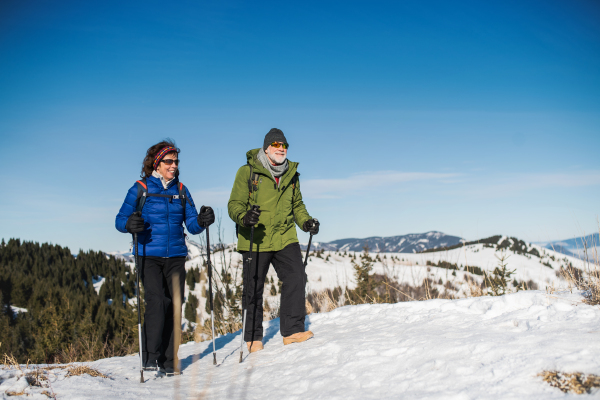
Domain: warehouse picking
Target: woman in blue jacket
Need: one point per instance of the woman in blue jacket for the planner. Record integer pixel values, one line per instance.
(161, 244)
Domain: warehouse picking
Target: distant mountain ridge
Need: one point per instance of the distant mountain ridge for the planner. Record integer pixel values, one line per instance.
(576, 246)
(411, 243)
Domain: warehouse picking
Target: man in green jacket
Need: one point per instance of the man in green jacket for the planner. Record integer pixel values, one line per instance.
(270, 181)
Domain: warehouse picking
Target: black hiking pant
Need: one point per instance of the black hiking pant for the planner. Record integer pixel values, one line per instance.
(290, 271)
(157, 333)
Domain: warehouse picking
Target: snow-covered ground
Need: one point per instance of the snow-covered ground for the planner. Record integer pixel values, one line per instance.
(474, 348)
(17, 310)
(97, 283)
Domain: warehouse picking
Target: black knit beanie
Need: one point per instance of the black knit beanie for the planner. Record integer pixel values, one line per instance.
(274, 135)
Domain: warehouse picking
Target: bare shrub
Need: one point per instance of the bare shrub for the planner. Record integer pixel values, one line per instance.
(381, 289)
(588, 278)
(576, 382)
(84, 369)
(37, 377)
(270, 311)
(90, 347)
(324, 301)
(227, 293)
(21, 393)
(309, 308)
(10, 361)
(475, 288)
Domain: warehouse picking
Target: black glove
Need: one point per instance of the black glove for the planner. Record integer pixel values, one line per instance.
(206, 216)
(135, 223)
(251, 217)
(311, 226)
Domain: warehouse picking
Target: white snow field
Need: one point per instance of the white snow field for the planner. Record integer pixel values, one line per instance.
(473, 348)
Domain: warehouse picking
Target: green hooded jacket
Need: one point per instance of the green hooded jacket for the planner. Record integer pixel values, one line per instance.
(280, 206)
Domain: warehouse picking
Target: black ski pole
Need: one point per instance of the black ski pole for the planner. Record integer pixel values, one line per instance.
(139, 303)
(210, 296)
(248, 261)
(307, 250)
(306, 258)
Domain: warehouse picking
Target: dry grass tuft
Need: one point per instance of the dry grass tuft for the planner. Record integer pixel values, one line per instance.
(204, 332)
(326, 302)
(591, 286)
(588, 278)
(309, 307)
(10, 361)
(586, 281)
(21, 393)
(84, 369)
(577, 382)
(37, 377)
(51, 367)
(475, 289)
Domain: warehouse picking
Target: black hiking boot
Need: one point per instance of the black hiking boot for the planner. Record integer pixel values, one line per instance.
(168, 371)
(151, 365)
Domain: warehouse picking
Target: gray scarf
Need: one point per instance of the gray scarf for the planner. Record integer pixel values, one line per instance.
(164, 182)
(275, 170)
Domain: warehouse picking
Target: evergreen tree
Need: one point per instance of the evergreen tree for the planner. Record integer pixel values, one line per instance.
(364, 282)
(190, 279)
(498, 282)
(64, 312)
(191, 308)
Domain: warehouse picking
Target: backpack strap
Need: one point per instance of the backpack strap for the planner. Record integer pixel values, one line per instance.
(252, 187)
(142, 194)
(294, 184)
(182, 197)
(252, 181)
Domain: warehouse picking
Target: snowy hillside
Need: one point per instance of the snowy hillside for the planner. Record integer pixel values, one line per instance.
(475, 348)
(126, 256)
(452, 273)
(410, 243)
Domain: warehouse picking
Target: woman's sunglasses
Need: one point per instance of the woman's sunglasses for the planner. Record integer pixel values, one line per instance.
(278, 145)
(169, 161)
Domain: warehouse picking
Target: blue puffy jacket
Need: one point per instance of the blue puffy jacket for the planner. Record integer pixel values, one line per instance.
(164, 235)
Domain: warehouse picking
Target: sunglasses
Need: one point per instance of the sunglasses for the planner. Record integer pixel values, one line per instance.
(169, 161)
(278, 145)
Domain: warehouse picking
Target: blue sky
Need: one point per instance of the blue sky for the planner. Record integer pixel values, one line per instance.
(468, 117)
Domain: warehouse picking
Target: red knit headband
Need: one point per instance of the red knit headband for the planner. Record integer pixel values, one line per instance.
(161, 154)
